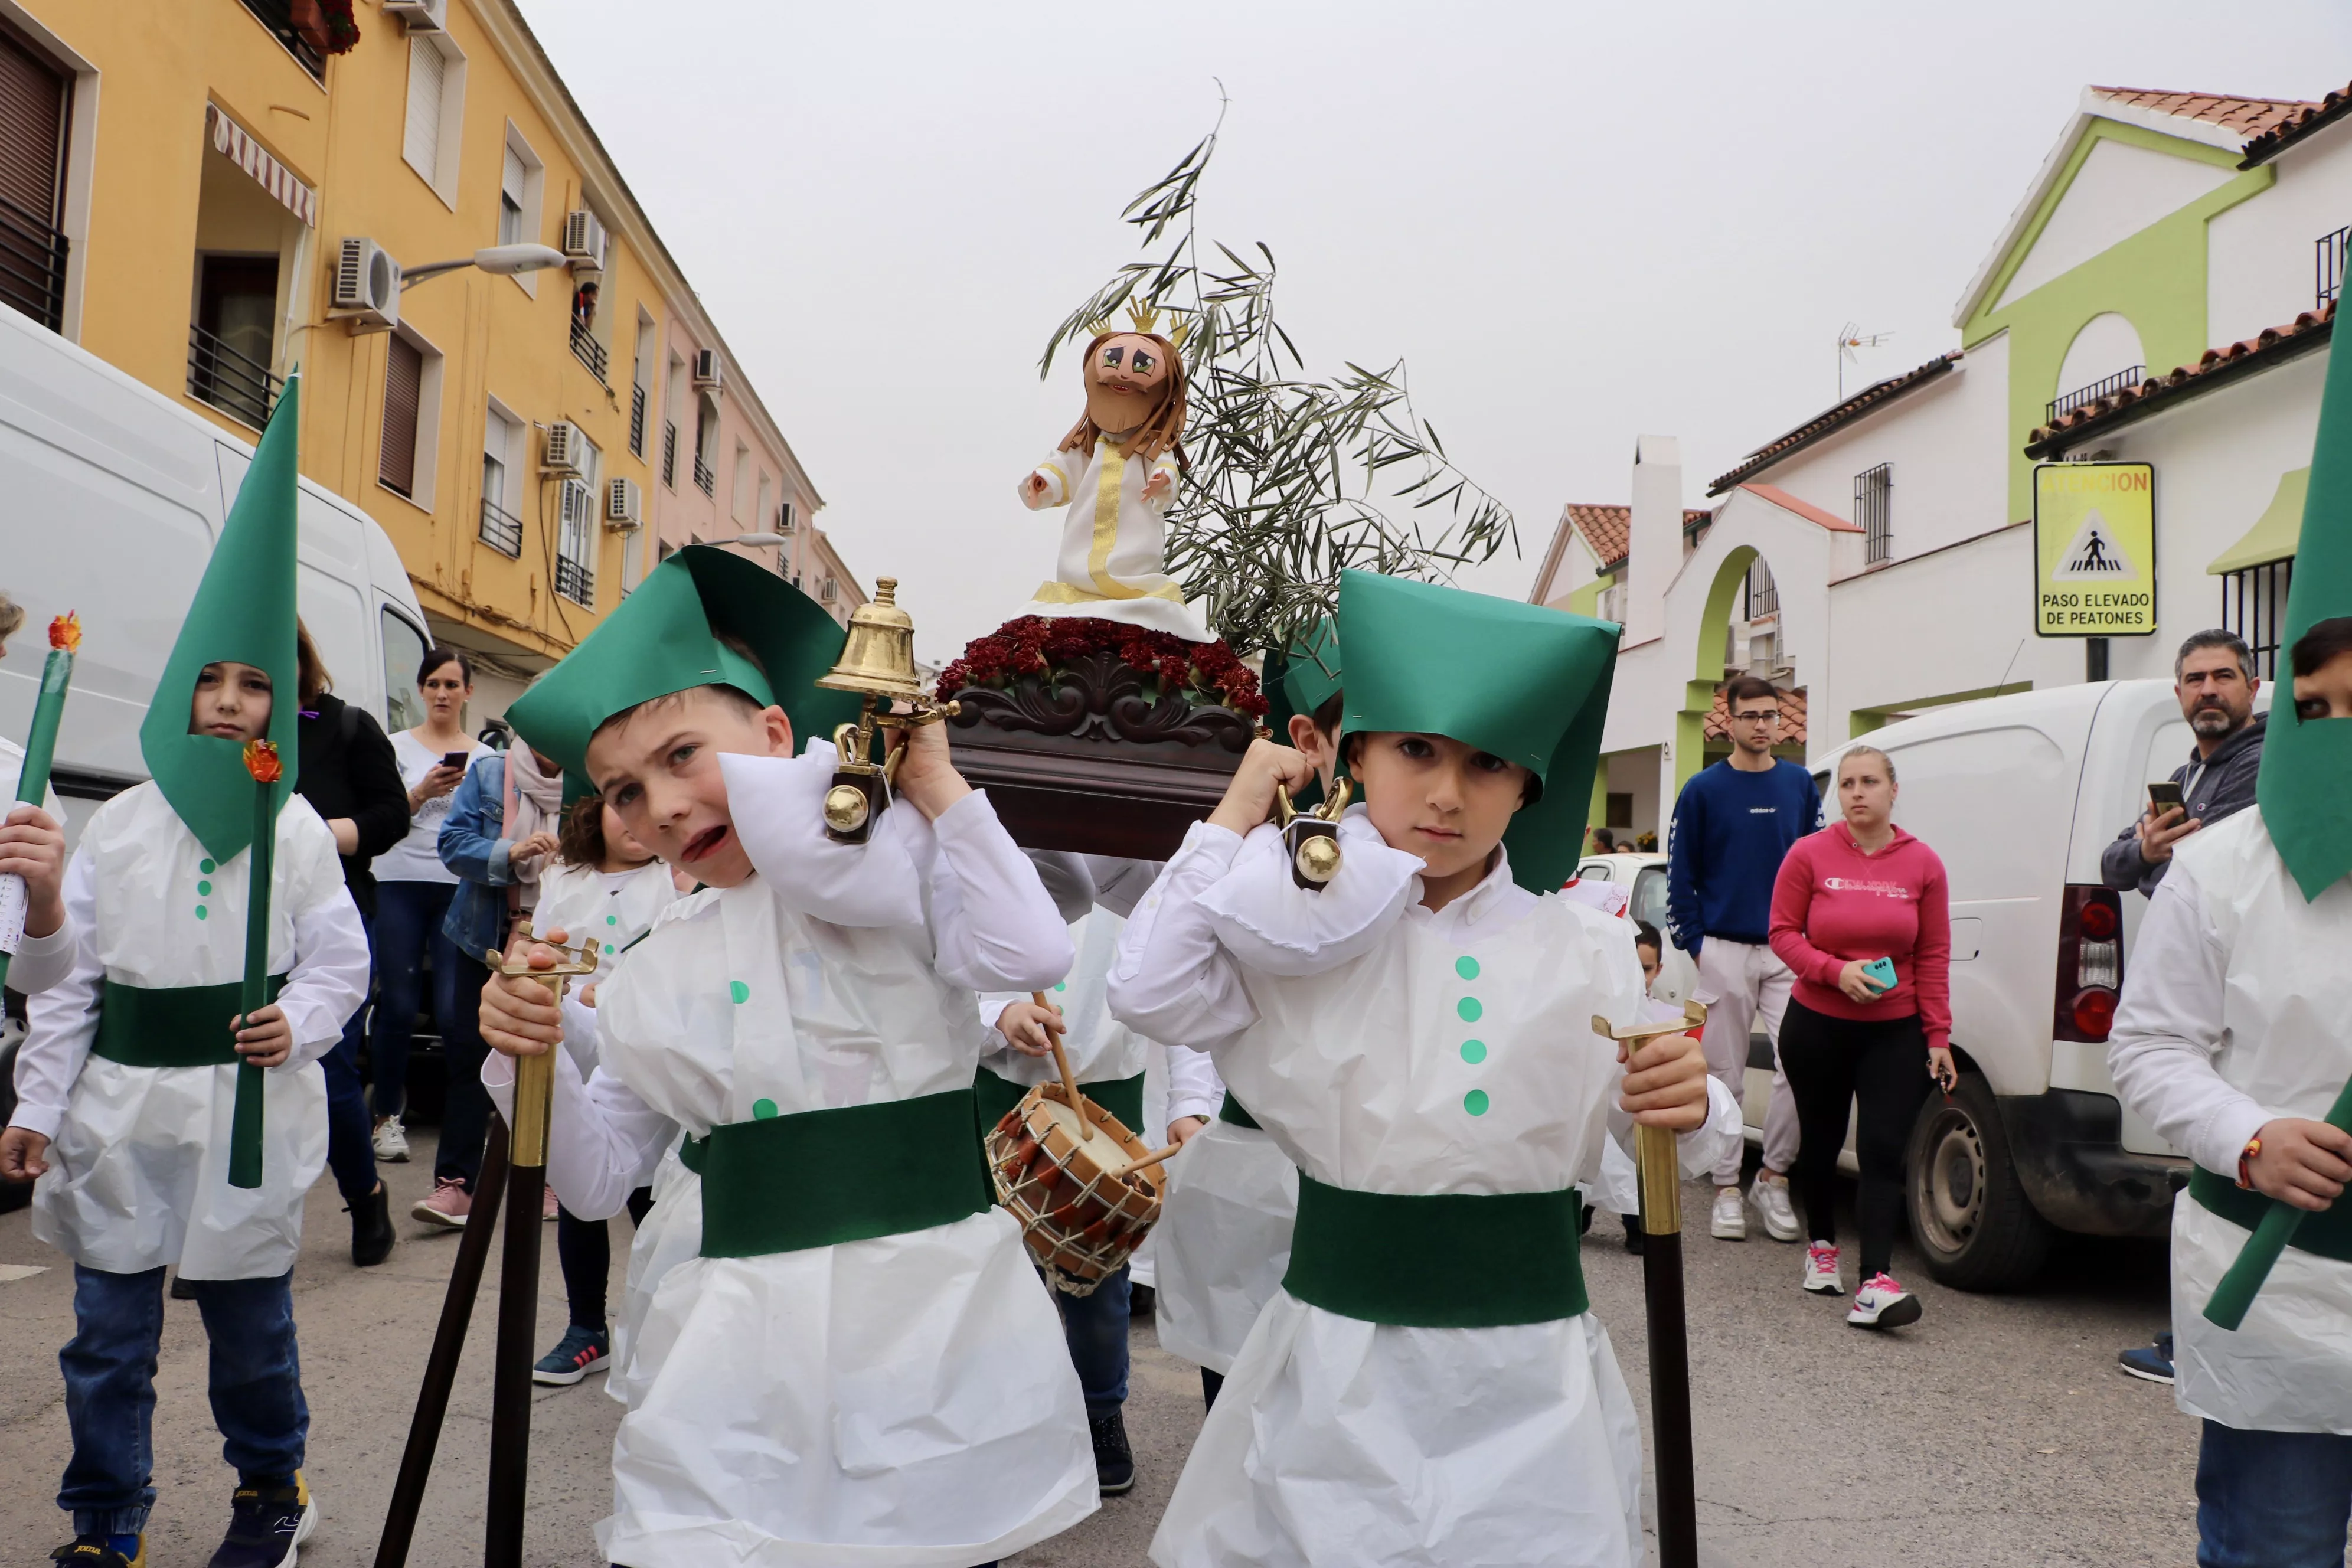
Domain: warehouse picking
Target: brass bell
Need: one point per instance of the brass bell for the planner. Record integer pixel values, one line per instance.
(878, 658)
(1311, 838)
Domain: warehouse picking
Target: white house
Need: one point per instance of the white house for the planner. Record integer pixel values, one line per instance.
(1835, 556)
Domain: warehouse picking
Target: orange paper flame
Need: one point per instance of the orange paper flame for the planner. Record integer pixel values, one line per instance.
(262, 761)
(65, 633)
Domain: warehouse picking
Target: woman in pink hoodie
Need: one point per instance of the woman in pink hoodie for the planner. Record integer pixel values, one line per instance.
(1860, 890)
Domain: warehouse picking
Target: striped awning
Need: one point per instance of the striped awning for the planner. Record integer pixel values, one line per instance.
(229, 139)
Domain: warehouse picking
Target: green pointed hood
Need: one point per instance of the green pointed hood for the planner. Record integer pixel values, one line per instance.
(2307, 767)
(244, 610)
(1528, 684)
(1301, 681)
(664, 638)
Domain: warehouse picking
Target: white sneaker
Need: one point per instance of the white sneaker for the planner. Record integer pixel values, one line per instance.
(390, 1142)
(1730, 1221)
(1822, 1269)
(1770, 1194)
(1881, 1303)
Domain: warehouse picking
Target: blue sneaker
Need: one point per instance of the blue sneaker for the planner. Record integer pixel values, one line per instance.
(267, 1525)
(580, 1352)
(2149, 1363)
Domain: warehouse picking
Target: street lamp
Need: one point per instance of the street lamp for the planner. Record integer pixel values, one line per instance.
(756, 541)
(500, 260)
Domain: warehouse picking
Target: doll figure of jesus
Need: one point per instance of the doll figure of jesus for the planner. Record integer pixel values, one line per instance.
(1116, 472)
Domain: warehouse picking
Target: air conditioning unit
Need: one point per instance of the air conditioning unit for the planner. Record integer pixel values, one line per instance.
(623, 505)
(367, 286)
(421, 15)
(583, 239)
(566, 448)
(784, 518)
(708, 370)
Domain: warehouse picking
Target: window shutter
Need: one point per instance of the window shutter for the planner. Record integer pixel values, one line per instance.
(32, 122)
(403, 382)
(427, 73)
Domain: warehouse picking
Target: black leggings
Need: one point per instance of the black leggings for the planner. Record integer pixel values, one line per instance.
(1879, 1066)
(585, 1250)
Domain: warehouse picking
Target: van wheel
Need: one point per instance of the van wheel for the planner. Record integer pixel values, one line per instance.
(1968, 1211)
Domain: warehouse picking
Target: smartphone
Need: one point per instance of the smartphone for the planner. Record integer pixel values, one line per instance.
(452, 760)
(2164, 796)
(1880, 972)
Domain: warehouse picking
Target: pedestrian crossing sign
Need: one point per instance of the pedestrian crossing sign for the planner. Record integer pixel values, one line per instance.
(2095, 550)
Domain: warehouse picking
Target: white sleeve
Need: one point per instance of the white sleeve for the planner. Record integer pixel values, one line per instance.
(63, 1015)
(2169, 1027)
(330, 977)
(992, 926)
(1193, 1087)
(1276, 927)
(1057, 481)
(1119, 885)
(603, 1141)
(42, 962)
(777, 804)
(1698, 1150)
(1173, 981)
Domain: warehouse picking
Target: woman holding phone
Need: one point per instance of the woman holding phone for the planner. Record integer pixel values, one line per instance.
(1861, 915)
(413, 889)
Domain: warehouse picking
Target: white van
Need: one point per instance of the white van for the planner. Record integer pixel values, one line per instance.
(2018, 795)
(115, 494)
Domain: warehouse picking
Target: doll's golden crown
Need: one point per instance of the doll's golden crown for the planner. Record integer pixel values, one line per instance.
(1146, 319)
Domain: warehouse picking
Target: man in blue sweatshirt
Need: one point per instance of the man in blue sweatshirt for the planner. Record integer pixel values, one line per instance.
(1733, 822)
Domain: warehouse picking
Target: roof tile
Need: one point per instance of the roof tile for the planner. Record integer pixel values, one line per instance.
(1717, 723)
(2183, 377)
(2248, 116)
(2296, 125)
(1822, 424)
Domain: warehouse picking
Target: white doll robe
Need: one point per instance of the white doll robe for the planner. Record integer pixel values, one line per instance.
(1387, 1048)
(903, 1400)
(1113, 562)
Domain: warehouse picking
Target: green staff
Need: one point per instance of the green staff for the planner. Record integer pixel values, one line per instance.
(245, 1125)
(33, 780)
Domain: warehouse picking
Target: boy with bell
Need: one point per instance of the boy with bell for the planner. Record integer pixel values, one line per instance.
(859, 1364)
(1428, 1385)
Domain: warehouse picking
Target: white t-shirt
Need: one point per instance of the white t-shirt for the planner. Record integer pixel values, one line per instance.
(417, 857)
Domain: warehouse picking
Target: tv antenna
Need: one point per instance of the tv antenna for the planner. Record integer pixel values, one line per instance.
(1850, 338)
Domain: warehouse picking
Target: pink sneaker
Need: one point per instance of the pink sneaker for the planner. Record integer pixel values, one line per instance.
(1883, 1304)
(547, 1203)
(448, 1205)
(1822, 1269)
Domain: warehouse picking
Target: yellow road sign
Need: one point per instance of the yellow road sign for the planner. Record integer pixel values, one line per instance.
(2095, 550)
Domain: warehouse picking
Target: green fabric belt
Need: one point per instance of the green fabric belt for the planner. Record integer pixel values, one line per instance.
(171, 1027)
(1231, 1111)
(819, 1178)
(993, 1096)
(2328, 1233)
(1451, 1260)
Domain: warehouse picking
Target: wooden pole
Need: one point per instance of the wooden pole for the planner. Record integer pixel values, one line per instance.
(449, 1349)
(1069, 1079)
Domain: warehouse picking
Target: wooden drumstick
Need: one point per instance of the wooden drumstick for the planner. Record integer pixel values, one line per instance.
(1146, 1163)
(1062, 1063)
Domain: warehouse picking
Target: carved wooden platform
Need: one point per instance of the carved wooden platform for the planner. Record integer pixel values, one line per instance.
(1090, 760)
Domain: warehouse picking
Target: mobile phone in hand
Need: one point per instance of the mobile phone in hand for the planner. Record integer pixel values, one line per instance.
(452, 760)
(1880, 972)
(2164, 796)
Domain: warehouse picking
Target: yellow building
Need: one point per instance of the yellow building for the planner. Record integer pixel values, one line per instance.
(206, 197)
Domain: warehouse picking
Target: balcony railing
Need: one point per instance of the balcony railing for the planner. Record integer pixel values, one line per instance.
(501, 529)
(231, 383)
(587, 350)
(278, 15)
(2067, 402)
(575, 582)
(638, 420)
(704, 479)
(2328, 265)
(31, 266)
(670, 453)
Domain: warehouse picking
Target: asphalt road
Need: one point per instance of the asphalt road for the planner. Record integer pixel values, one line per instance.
(1996, 1431)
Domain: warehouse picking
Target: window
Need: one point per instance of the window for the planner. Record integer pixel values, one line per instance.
(785, 518)
(502, 454)
(2254, 606)
(738, 504)
(575, 539)
(1873, 488)
(403, 650)
(436, 112)
(641, 371)
(230, 350)
(411, 407)
(521, 181)
(36, 100)
(1763, 593)
(706, 435)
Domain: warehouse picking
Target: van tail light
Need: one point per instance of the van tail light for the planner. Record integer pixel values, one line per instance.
(2090, 963)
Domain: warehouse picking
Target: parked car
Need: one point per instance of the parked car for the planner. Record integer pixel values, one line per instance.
(2019, 794)
(1645, 875)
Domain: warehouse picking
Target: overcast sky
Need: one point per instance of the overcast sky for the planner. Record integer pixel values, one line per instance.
(1575, 222)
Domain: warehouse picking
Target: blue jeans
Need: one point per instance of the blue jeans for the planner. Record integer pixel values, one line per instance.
(466, 1108)
(1096, 1328)
(2272, 1499)
(408, 918)
(350, 1149)
(110, 1369)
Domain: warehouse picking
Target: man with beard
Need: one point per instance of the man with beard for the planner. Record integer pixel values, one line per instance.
(2213, 675)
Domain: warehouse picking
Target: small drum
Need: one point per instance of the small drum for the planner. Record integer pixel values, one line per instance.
(1081, 1214)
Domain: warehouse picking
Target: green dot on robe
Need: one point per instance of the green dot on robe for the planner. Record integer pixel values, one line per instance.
(206, 867)
(201, 912)
(608, 947)
(612, 920)
(1474, 1051)
(735, 988)
(763, 1109)
(1469, 1009)
(205, 889)
(1467, 967)
(1475, 1103)
(1061, 986)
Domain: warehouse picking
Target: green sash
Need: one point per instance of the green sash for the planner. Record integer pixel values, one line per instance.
(1452, 1260)
(819, 1178)
(993, 1096)
(171, 1027)
(1231, 1111)
(2328, 1233)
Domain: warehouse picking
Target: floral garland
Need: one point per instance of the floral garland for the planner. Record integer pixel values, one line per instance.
(1042, 645)
(326, 25)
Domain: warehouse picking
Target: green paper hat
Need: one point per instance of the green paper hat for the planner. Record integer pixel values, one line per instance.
(244, 610)
(2307, 765)
(1528, 684)
(1301, 681)
(664, 638)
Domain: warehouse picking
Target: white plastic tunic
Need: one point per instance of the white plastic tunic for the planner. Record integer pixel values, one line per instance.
(2237, 1009)
(1387, 1048)
(138, 1174)
(903, 1400)
(1112, 565)
(581, 902)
